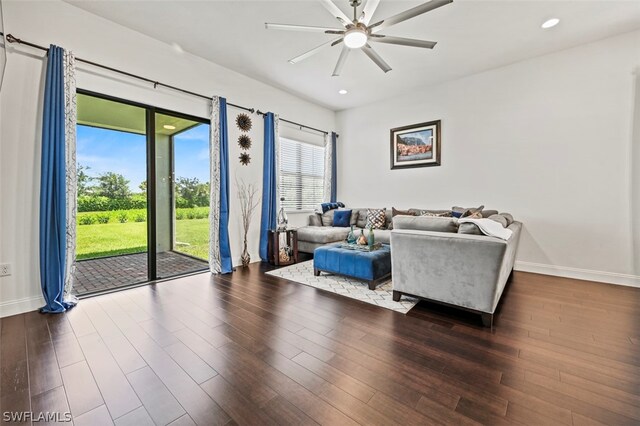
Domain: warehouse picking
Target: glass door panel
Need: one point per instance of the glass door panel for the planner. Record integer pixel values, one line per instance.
(111, 246)
(181, 195)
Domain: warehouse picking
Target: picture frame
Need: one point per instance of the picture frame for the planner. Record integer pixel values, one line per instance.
(417, 145)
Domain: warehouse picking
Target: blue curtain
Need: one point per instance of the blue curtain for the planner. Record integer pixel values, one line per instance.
(269, 189)
(334, 168)
(225, 247)
(52, 187)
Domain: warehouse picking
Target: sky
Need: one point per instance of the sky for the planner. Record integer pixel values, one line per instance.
(125, 153)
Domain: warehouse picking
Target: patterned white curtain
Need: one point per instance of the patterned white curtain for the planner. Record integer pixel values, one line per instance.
(328, 161)
(70, 114)
(215, 262)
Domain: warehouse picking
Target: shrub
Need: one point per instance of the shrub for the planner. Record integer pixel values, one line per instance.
(122, 217)
(95, 203)
(180, 214)
(87, 220)
(103, 217)
(140, 217)
(191, 214)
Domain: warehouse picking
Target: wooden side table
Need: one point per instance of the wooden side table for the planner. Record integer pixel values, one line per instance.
(273, 247)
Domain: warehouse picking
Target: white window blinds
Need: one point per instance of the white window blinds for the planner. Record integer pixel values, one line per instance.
(301, 174)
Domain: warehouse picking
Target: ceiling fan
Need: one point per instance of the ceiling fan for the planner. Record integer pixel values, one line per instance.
(358, 33)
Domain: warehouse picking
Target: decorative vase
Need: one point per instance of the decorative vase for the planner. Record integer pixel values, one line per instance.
(245, 258)
(362, 240)
(371, 240)
(351, 237)
(283, 221)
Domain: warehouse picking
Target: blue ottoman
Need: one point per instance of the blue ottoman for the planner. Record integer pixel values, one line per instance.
(373, 267)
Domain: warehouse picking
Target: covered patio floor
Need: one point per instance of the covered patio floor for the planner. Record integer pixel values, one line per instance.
(108, 273)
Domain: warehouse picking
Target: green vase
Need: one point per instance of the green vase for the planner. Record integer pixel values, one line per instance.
(371, 239)
(351, 237)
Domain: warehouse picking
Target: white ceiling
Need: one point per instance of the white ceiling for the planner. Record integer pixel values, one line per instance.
(472, 36)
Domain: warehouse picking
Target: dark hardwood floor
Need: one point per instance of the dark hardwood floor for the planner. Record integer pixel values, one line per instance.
(254, 349)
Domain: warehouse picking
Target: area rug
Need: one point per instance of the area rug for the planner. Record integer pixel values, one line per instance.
(348, 287)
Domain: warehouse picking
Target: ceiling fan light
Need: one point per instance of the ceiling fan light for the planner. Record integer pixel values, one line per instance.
(355, 38)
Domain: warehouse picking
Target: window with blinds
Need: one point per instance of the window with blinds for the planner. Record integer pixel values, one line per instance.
(301, 174)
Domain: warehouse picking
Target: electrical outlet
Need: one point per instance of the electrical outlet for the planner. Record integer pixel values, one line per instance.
(5, 269)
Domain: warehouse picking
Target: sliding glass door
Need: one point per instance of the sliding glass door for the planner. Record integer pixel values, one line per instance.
(181, 194)
(143, 194)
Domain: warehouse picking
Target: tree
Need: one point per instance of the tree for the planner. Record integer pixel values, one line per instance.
(143, 186)
(112, 185)
(84, 181)
(192, 191)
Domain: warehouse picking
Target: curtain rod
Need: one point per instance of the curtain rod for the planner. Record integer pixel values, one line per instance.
(12, 39)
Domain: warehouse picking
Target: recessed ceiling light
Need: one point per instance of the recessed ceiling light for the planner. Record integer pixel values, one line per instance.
(169, 127)
(342, 92)
(550, 23)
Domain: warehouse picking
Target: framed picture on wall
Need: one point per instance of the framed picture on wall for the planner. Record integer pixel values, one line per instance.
(417, 145)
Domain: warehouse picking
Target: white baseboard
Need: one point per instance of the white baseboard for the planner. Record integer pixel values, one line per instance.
(14, 307)
(579, 274)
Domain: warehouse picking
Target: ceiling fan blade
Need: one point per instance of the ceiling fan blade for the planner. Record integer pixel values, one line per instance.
(341, 60)
(291, 27)
(368, 50)
(408, 14)
(313, 51)
(403, 41)
(368, 11)
(336, 12)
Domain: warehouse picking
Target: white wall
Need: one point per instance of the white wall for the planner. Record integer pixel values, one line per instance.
(96, 39)
(548, 139)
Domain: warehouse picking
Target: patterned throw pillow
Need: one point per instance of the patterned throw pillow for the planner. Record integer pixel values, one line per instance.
(475, 215)
(435, 214)
(464, 212)
(376, 218)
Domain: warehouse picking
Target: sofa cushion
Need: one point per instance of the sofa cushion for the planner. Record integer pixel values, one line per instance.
(394, 213)
(500, 219)
(424, 223)
(322, 234)
(469, 228)
(381, 235)
(487, 213)
(509, 218)
(376, 218)
(342, 218)
(315, 219)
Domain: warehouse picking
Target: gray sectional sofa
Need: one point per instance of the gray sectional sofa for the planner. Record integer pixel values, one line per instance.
(434, 258)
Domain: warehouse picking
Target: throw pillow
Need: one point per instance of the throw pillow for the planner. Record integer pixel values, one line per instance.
(395, 212)
(376, 218)
(475, 215)
(435, 214)
(507, 216)
(328, 206)
(500, 219)
(342, 218)
(465, 211)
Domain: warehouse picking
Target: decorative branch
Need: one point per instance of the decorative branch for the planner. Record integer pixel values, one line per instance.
(249, 202)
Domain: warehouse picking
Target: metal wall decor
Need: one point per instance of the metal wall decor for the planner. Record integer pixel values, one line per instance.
(243, 121)
(244, 141)
(245, 158)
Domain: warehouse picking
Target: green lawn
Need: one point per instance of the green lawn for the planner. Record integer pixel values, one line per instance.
(110, 239)
(194, 232)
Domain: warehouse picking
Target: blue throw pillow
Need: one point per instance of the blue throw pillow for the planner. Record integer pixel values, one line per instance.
(330, 206)
(342, 218)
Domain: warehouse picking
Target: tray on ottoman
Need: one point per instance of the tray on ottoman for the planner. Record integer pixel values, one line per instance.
(371, 266)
